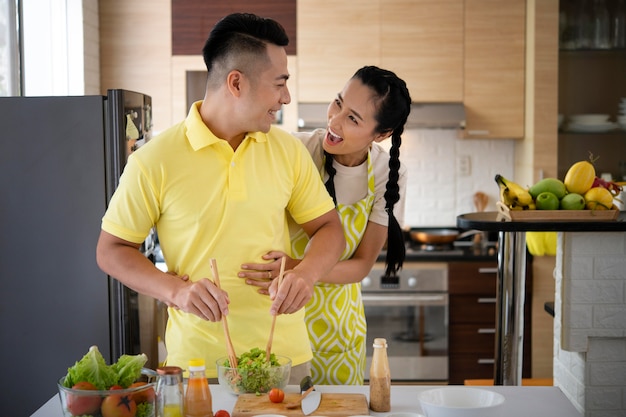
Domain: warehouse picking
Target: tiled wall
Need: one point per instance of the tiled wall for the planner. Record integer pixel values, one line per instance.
(436, 192)
(590, 322)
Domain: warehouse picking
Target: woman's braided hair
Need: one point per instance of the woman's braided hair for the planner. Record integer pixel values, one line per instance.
(394, 105)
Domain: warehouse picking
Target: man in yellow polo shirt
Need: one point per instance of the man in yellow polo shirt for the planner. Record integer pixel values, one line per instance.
(220, 185)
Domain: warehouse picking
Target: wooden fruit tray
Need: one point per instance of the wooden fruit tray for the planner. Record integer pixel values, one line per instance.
(505, 214)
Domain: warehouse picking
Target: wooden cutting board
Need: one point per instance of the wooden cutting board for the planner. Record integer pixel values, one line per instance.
(331, 405)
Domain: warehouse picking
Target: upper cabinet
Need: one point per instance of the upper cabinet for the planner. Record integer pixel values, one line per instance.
(335, 38)
(426, 52)
(494, 69)
(591, 80)
(470, 51)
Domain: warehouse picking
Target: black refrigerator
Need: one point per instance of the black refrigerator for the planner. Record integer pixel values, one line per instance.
(60, 161)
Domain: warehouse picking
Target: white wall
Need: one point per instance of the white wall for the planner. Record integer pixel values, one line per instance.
(436, 192)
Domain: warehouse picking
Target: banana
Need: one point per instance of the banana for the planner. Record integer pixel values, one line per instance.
(517, 206)
(513, 194)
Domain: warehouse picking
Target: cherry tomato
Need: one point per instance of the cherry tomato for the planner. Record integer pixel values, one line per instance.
(144, 396)
(83, 404)
(116, 405)
(221, 413)
(277, 395)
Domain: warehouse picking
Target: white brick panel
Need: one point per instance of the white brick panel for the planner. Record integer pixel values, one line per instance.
(590, 322)
(604, 399)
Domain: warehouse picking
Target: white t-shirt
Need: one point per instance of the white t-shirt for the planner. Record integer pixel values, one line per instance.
(351, 182)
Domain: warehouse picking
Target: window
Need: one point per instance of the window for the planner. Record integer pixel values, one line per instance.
(10, 84)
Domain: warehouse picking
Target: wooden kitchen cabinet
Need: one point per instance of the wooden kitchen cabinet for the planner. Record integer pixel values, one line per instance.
(427, 53)
(470, 51)
(472, 321)
(335, 38)
(494, 69)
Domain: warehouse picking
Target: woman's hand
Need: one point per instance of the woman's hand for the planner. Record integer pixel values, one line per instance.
(261, 275)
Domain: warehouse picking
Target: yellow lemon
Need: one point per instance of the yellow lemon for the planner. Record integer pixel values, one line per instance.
(598, 198)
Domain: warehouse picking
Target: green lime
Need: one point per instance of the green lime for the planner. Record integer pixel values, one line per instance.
(572, 201)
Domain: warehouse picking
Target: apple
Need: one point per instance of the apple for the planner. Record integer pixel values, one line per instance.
(547, 201)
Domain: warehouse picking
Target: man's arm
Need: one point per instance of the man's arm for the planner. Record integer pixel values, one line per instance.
(123, 260)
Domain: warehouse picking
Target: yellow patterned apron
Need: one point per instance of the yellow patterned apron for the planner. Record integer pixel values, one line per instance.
(335, 317)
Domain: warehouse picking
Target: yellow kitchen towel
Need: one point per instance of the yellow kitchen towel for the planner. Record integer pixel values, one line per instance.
(541, 243)
(132, 133)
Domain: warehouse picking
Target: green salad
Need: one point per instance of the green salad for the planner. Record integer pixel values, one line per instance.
(254, 374)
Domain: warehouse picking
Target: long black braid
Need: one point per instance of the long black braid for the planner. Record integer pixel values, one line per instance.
(394, 106)
(331, 171)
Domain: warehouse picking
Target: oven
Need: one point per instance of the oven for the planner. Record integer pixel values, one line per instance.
(411, 312)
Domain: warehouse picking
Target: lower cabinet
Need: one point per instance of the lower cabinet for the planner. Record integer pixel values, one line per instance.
(472, 321)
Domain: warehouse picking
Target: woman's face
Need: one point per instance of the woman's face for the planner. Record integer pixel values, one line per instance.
(351, 124)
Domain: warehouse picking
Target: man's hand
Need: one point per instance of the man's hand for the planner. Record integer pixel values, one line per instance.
(295, 291)
(203, 299)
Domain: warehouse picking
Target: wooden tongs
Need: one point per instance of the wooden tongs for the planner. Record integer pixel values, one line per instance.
(232, 357)
(268, 348)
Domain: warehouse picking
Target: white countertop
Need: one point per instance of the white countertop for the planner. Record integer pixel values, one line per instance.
(520, 401)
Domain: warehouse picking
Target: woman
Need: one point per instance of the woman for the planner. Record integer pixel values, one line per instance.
(367, 184)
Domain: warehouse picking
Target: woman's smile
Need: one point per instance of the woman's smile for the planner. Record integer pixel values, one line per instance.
(332, 139)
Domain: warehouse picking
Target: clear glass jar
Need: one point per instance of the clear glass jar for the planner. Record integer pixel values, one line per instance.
(584, 24)
(169, 391)
(601, 35)
(619, 25)
(380, 378)
(569, 26)
(198, 401)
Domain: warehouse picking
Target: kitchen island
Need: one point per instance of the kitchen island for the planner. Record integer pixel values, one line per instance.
(590, 305)
(519, 401)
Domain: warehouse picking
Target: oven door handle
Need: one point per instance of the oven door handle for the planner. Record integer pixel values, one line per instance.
(405, 300)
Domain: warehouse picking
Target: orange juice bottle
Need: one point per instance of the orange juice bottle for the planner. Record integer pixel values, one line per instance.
(198, 401)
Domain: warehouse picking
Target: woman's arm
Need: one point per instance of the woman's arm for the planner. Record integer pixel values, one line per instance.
(360, 264)
(344, 272)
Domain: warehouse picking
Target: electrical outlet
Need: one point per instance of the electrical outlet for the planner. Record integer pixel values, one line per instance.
(463, 165)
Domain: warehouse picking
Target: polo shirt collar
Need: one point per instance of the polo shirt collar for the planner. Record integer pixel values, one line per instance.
(200, 136)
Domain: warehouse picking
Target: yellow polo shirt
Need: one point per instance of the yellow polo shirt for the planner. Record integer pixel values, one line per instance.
(208, 201)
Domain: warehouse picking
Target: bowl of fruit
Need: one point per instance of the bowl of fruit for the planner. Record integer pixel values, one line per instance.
(93, 388)
(254, 374)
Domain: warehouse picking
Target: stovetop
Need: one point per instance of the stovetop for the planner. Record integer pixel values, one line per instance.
(457, 251)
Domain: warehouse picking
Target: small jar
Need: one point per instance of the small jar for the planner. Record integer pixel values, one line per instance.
(169, 392)
(380, 378)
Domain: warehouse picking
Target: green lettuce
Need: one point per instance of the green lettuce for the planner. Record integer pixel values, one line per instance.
(145, 410)
(91, 368)
(128, 368)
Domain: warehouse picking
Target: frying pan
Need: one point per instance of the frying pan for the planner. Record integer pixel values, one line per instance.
(439, 236)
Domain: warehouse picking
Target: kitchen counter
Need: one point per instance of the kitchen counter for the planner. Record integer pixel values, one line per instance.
(519, 401)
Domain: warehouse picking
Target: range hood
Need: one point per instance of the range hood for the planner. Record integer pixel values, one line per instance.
(422, 116)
